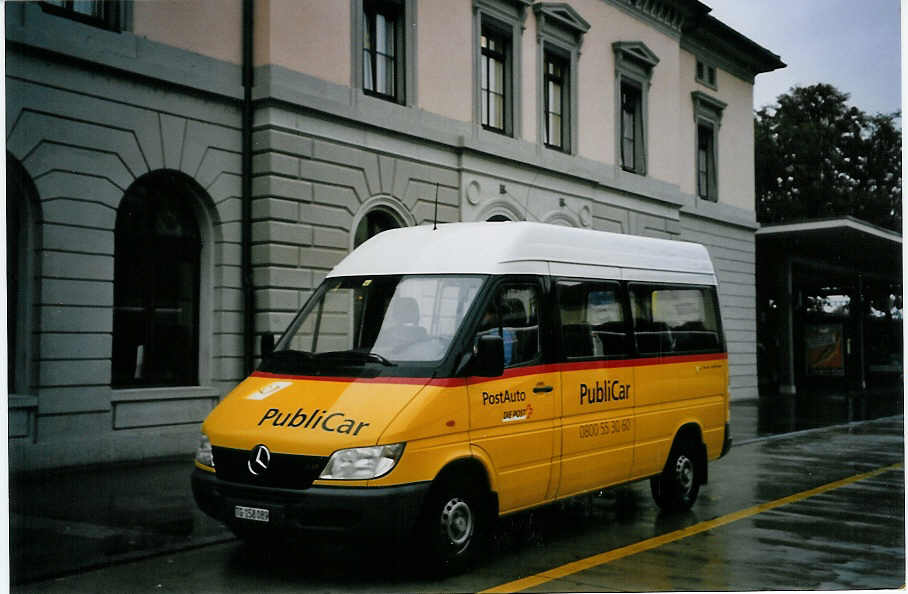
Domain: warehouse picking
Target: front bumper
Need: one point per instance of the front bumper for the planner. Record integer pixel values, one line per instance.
(351, 514)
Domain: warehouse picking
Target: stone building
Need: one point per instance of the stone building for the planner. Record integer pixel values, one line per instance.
(180, 175)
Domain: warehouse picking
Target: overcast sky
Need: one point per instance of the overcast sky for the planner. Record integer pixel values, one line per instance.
(852, 44)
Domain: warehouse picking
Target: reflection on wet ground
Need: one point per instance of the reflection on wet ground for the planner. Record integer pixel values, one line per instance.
(66, 520)
(776, 413)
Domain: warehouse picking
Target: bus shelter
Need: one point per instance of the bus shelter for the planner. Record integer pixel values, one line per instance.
(829, 307)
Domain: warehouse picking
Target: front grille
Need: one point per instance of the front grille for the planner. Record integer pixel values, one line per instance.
(286, 471)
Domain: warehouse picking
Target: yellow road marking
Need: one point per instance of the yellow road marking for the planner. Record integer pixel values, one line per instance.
(657, 541)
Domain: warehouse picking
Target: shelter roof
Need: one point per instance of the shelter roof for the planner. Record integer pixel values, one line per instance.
(843, 242)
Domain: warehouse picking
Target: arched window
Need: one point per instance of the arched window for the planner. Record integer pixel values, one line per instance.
(156, 284)
(373, 223)
(499, 218)
(13, 247)
(21, 290)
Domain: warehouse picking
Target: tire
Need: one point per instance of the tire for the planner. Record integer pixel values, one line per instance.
(452, 526)
(676, 489)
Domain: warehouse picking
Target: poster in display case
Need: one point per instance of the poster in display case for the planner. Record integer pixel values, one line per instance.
(825, 349)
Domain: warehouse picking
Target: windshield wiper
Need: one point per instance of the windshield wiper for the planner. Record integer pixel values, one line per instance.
(286, 361)
(357, 356)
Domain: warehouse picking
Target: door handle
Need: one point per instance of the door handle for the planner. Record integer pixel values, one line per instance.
(542, 389)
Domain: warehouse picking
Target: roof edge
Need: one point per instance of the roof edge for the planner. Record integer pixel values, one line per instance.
(710, 32)
(826, 224)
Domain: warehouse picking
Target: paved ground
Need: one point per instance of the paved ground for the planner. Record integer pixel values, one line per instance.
(139, 526)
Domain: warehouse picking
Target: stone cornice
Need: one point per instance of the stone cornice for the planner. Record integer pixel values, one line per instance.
(668, 16)
(731, 50)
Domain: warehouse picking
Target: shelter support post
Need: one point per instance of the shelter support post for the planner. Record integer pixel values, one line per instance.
(786, 352)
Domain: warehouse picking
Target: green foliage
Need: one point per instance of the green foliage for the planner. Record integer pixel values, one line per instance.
(817, 157)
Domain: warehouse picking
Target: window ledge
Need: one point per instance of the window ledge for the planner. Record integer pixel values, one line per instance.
(18, 401)
(706, 84)
(167, 393)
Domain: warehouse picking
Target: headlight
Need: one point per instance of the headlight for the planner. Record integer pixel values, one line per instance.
(204, 455)
(362, 463)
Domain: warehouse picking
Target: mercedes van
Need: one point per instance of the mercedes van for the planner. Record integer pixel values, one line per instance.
(441, 378)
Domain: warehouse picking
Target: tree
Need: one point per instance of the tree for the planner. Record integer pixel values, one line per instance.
(818, 157)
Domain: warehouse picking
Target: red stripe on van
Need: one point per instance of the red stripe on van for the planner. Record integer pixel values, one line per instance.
(450, 382)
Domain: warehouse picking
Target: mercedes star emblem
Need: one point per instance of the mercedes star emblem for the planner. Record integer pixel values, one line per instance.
(259, 459)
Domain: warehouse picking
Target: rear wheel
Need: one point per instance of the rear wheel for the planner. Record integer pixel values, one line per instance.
(676, 489)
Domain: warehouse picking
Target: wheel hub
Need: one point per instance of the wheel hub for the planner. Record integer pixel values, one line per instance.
(684, 472)
(457, 523)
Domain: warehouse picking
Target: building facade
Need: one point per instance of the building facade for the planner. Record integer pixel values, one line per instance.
(181, 175)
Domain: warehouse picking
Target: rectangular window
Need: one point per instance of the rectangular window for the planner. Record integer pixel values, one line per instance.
(556, 97)
(382, 49)
(675, 320)
(592, 319)
(706, 74)
(100, 13)
(706, 162)
(632, 139)
(494, 83)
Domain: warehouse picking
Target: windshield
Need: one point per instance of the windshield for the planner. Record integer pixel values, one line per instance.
(385, 319)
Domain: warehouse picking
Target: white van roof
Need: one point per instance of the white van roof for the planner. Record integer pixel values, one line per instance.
(527, 248)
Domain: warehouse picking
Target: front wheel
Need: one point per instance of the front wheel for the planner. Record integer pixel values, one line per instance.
(676, 489)
(452, 527)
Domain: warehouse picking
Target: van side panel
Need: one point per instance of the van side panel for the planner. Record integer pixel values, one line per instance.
(671, 394)
(598, 425)
(513, 424)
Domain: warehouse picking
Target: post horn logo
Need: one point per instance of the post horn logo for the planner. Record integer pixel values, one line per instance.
(259, 459)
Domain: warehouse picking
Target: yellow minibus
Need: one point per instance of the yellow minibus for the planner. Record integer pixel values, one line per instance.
(441, 378)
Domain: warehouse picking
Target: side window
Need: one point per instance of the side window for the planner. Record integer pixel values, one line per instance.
(495, 82)
(384, 38)
(706, 162)
(559, 34)
(675, 320)
(513, 314)
(708, 116)
(592, 319)
(498, 28)
(557, 102)
(382, 24)
(634, 65)
(633, 148)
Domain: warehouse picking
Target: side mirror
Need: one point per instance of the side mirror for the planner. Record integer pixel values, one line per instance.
(267, 344)
(488, 356)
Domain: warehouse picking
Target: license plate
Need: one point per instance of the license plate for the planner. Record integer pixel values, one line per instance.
(250, 513)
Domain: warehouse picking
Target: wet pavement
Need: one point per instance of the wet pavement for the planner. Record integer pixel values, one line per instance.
(775, 414)
(139, 528)
(68, 521)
